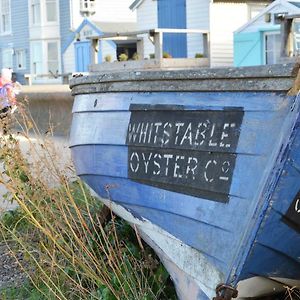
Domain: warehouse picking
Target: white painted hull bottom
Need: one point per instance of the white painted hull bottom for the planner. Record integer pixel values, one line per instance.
(194, 277)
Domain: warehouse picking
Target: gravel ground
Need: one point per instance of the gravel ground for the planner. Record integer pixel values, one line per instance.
(11, 274)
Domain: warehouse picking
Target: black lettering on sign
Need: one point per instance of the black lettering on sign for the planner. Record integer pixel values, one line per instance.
(292, 216)
(189, 152)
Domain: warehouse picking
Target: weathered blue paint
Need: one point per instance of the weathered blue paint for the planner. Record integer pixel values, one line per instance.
(85, 22)
(230, 235)
(82, 56)
(172, 14)
(70, 38)
(269, 245)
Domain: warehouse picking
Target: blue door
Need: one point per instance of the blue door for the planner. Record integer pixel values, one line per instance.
(172, 14)
(82, 56)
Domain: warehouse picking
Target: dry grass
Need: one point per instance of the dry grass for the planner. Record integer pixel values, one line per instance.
(58, 228)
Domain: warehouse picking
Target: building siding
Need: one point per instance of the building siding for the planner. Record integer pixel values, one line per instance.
(106, 11)
(114, 10)
(147, 19)
(108, 48)
(69, 59)
(65, 22)
(197, 18)
(225, 18)
(65, 28)
(20, 37)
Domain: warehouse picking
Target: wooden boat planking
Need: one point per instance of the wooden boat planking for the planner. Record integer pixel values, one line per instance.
(206, 225)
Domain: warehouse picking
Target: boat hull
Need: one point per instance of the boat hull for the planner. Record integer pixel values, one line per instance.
(201, 174)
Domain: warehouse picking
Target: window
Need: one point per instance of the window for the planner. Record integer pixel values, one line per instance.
(296, 37)
(21, 59)
(272, 47)
(254, 10)
(87, 7)
(7, 58)
(37, 57)
(51, 10)
(35, 12)
(5, 25)
(52, 65)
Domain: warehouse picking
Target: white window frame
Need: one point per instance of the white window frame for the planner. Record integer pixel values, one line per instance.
(21, 59)
(9, 53)
(51, 61)
(254, 7)
(265, 44)
(56, 11)
(34, 4)
(34, 61)
(87, 7)
(42, 10)
(4, 31)
(43, 62)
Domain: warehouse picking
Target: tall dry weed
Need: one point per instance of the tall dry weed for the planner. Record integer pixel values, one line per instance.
(58, 227)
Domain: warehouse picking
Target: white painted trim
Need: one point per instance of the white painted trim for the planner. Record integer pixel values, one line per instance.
(24, 67)
(192, 262)
(264, 44)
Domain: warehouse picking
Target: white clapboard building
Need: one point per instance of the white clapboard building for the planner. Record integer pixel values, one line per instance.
(219, 17)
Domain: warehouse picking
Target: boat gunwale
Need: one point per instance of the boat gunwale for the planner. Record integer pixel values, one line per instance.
(257, 78)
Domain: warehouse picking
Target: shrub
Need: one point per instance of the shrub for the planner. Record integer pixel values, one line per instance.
(135, 56)
(199, 55)
(123, 57)
(167, 55)
(108, 58)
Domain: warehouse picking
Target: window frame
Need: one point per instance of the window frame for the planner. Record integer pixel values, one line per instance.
(56, 11)
(8, 31)
(36, 59)
(57, 60)
(24, 59)
(40, 61)
(33, 5)
(265, 51)
(87, 6)
(258, 7)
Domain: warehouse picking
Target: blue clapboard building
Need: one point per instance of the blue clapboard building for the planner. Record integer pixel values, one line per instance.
(14, 37)
(45, 40)
(258, 42)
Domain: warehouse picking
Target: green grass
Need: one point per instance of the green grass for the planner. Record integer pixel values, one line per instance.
(26, 292)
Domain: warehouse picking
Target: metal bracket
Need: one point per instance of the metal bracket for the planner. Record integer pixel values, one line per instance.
(225, 292)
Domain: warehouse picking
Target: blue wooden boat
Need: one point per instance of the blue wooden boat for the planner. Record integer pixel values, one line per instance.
(205, 163)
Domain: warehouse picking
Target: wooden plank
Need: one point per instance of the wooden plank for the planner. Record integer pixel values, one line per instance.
(217, 85)
(105, 102)
(117, 124)
(268, 78)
